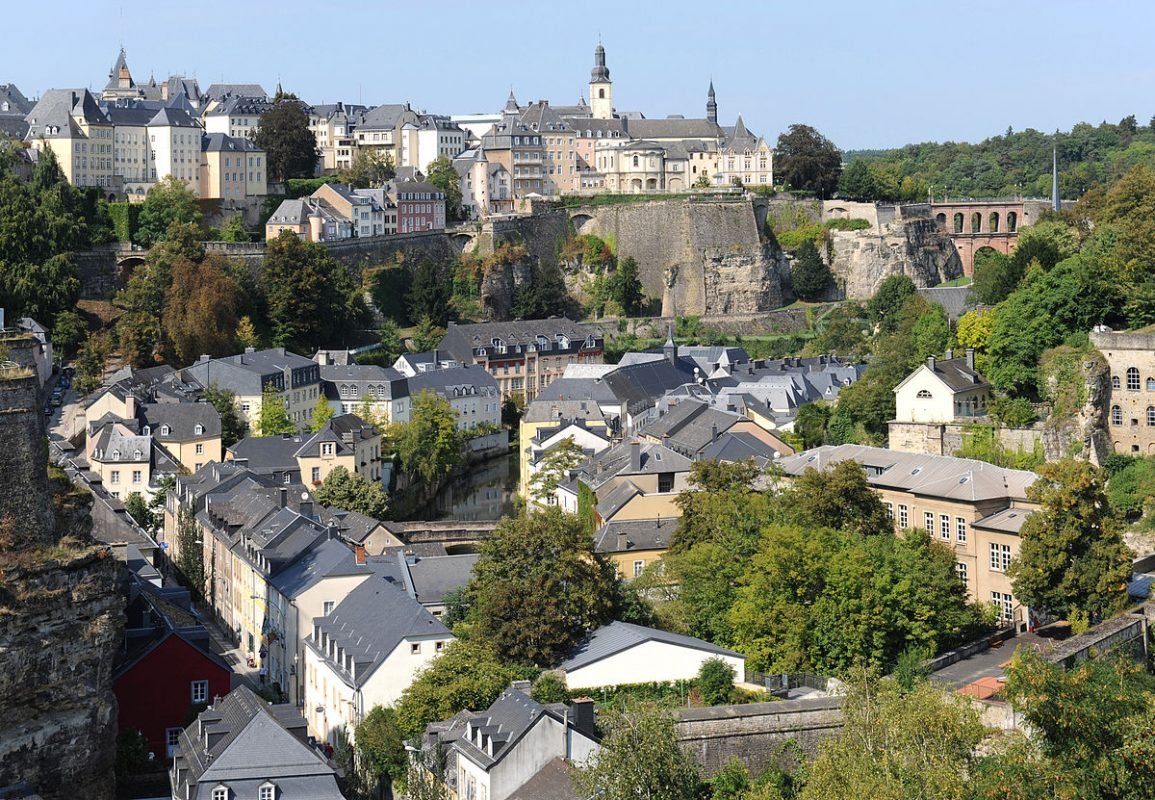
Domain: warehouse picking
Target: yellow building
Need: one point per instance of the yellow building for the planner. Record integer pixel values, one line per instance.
(974, 508)
(232, 168)
(71, 123)
(1131, 401)
(190, 432)
(291, 378)
(634, 545)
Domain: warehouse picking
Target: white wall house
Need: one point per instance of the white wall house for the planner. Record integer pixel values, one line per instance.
(365, 653)
(943, 390)
(621, 653)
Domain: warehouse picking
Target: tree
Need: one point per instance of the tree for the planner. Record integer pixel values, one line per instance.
(369, 168)
(234, 230)
(839, 498)
(544, 295)
(381, 747)
(429, 444)
(715, 681)
(626, 287)
(442, 174)
(1072, 557)
(640, 757)
(90, 361)
(538, 587)
(931, 333)
(68, 332)
(430, 292)
(886, 303)
(283, 133)
(247, 333)
(225, 403)
(311, 297)
(426, 336)
(806, 159)
(811, 422)
(467, 675)
(857, 182)
(389, 337)
(352, 492)
(555, 467)
(138, 509)
(40, 290)
(190, 556)
(973, 329)
(168, 201)
(200, 315)
(322, 413)
(995, 277)
(896, 744)
(274, 416)
(809, 273)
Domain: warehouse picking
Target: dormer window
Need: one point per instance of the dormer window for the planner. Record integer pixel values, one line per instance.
(220, 793)
(165, 430)
(137, 455)
(116, 455)
(198, 430)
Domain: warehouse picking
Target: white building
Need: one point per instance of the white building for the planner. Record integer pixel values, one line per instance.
(621, 653)
(943, 390)
(365, 652)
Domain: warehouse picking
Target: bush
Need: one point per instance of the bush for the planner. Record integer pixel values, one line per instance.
(793, 239)
(715, 681)
(1014, 413)
(124, 217)
(847, 224)
(550, 688)
(299, 187)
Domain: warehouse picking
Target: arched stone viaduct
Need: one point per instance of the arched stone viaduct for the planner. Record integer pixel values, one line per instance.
(977, 224)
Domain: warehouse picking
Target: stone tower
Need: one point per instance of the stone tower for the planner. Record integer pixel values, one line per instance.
(601, 87)
(711, 105)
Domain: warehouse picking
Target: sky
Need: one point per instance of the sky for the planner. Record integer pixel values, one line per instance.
(867, 75)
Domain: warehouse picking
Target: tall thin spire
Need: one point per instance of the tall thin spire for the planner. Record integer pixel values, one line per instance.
(711, 104)
(1056, 202)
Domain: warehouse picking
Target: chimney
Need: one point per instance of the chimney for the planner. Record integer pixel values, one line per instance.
(284, 496)
(359, 554)
(948, 355)
(930, 363)
(130, 406)
(970, 358)
(582, 714)
(635, 456)
(714, 432)
(306, 509)
(623, 543)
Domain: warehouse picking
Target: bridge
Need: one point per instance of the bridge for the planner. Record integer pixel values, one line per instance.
(456, 535)
(977, 225)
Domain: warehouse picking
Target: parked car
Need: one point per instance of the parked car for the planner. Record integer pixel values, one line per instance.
(48, 411)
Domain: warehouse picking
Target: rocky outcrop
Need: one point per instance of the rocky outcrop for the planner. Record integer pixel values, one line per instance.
(1083, 431)
(499, 285)
(862, 260)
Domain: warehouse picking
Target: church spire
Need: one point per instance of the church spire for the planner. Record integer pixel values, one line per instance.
(600, 73)
(711, 105)
(1056, 202)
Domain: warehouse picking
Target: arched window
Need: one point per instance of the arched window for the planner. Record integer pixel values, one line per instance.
(1115, 382)
(1151, 384)
(976, 222)
(601, 94)
(994, 222)
(940, 219)
(137, 455)
(958, 222)
(924, 393)
(1132, 379)
(165, 430)
(1116, 415)
(116, 455)
(1012, 221)
(635, 161)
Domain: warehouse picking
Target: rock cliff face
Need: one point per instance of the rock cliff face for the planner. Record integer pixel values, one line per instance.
(917, 248)
(1083, 433)
(61, 616)
(499, 287)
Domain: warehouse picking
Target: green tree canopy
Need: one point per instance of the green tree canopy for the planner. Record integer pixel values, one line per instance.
(857, 182)
(322, 413)
(839, 498)
(809, 273)
(538, 587)
(888, 300)
(225, 403)
(806, 159)
(429, 444)
(442, 174)
(200, 314)
(168, 201)
(274, 416)
(369, 168)
(430, 292)
(352, 492)
(1071, 551)
(626, 287)
(283, 133)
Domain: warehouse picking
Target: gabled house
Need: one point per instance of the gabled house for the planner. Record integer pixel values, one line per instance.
(365, 652)
(294, 379)
(943, 390)
(620, 653)
(494, 753)
(634, 544)
(345, 441)
(190, 432)
(242, 748)
(592, 439)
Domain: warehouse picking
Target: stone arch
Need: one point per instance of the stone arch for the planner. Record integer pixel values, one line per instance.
(1012, 222)
(463, 548)
(993, 222)
(675, 185)
(126, 266)
(940, 218)
(958, 222)
(982, 252)
(636, 185)
(463, 241)
(839, 212)
(580, 223)
(651, 184)
(977, 222)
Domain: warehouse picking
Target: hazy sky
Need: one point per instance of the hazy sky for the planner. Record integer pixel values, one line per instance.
(867, 74)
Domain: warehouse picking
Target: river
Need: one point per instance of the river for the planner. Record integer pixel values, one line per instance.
(486, 491)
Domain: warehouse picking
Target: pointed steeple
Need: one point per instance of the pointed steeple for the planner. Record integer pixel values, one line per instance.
(1056, 202)
(740, 128)
(600, 73)
(711, 104)
(670, 349)
(279, 91)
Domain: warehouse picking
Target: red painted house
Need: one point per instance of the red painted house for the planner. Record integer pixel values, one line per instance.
(420, 207)
(163, 685)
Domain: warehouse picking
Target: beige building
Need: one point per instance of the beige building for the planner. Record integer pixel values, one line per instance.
(175, 141)
(560, 171)
(632, 166)
(232, 168)
(189, 432)
(79, 133)
(294, 379)
(1130, 404)
(971, 507)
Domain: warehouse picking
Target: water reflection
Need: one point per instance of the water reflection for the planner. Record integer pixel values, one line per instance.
(485, 492)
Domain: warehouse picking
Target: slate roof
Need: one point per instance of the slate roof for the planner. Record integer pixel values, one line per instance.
(615, 461)
(947, 477)
(255, 745)
(690, 426)
(384, 117)
(362, 376)
(954, 372)
(173, 118)
(431, 578)
(181, 420)
(1009, 520)
(551, 782)
(219, 91)
(461, 340)
(641, 534)
(508, 719)
(263, 453)
(328, 559)
(676, 128)
(369, 624)
(449, 382)
(17, 102)
(640, 385)
(731, 446)
(222, 142)
(353, 526)
(617, 637)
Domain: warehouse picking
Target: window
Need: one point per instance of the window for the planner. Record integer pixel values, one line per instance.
(1151, 384)
(415, 648)
(665, 481)
(326, 448)
(924, 393)
(903, 517)
(172, 736)
(960, 529)
(327, 607)
(944, 527)
(220, 793)
(1116, 415)
(165, 430)
(316, 474)
(1150, 416)
(928, 521)
(136, 476)
(961, 569)
(114, 477)
(1004, 605)
(1132, 379)
(267, 792)
(889, 511)
(439, 646)
(200, 691)
(200, 449)
(1115, 382)
(1000, 557)
(198, 430)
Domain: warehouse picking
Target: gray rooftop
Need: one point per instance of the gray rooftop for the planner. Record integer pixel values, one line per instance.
(617, 637)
